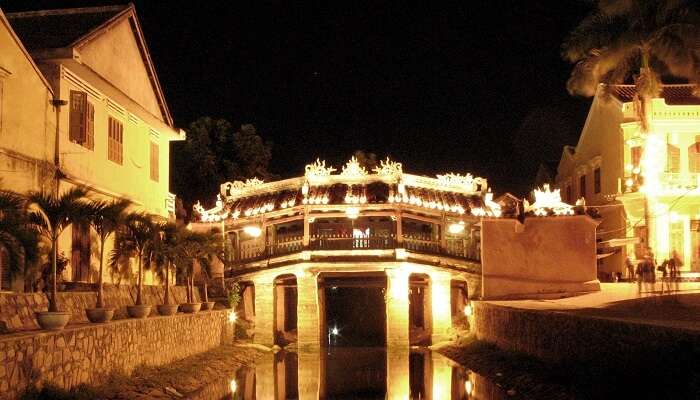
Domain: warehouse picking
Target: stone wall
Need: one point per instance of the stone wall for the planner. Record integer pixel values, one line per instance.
(538, 258)
(89, 353)
(17, 309)
(562, 337)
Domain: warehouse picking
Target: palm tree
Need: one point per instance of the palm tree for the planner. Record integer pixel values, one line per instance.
(52, 214)
(18, 236)
(200, 247)
(160, 253)
(621, 37)
(105, 218)
(138, 232)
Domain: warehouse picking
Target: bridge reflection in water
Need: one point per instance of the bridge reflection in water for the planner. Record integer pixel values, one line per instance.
(354, 373)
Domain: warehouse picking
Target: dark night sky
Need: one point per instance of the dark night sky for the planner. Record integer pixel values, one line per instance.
(443, 87)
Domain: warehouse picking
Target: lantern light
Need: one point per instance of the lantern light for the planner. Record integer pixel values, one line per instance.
(352, 212)
(468, 309)
(456, 228)
(252, 230)
(233, 386)
(232, 317)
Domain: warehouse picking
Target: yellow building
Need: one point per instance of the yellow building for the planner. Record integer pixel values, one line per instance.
(27, 123)
(644, 183)
(114, 126)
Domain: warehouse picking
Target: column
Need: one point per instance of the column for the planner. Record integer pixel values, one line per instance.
(309, 375)
(397, 309)
(264, 310)
(308, 329)
(441, 299)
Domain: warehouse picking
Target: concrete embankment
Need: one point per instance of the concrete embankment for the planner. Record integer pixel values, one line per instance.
(597, 355)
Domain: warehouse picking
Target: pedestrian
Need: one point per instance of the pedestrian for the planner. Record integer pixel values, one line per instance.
(663, 268)
(639, 272)
(630, 269)
(650, 270)
(675, 269)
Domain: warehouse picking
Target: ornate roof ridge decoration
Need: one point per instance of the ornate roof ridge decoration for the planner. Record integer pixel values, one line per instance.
(232, 189)
(317, 170)
(452, 179)
(548, 202)
(389, 168)
(353, 169)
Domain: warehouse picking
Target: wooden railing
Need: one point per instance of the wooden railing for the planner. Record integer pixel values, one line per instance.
(348, 242)
(419, 243)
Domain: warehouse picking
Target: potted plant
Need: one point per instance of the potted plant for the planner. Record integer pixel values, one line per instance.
(138, 231)
(159, 255)
(190, 247)
(52, 214)
(105, 218)
(210, 249)
(18, 235)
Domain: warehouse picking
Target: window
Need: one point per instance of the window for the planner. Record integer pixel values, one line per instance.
(81, 128)
(154, 162)
(636, 155)
(596, 180)
(582, 186)
(673, 159)
(694, 156)
(115, 141)
(80, 254)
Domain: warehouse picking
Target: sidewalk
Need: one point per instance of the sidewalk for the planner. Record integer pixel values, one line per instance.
(621, 301)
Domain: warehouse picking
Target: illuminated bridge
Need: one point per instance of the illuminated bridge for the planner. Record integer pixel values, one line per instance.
(353, 257)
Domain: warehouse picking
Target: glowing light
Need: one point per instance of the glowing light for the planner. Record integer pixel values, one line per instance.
(468, 387)
(334, 331)
(305, 189)
(549, 202)
(456, 228)
(468, 309)
(252, 231)
(233, 386)
(352, 212)
(232, 317)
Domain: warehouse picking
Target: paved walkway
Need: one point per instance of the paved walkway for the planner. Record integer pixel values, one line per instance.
(622, 301)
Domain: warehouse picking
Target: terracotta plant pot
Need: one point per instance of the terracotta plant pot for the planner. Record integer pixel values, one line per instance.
(208, 305)
(190, 307)
(141, 311)
(52, 321)
(99, 315)
(167, 309)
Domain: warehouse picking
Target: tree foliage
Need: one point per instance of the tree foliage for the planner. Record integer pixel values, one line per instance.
(655, 38)
(214, 153)
(18, 235)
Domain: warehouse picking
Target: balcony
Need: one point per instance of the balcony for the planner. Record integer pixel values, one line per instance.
(350, 242)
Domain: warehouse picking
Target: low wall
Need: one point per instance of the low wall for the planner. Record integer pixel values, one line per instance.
(89, 353)
(541, 257)
(17, 309)
(561, 337)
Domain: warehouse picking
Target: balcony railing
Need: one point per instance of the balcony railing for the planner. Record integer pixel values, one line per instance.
(255, 250)
(680, 180)
(348, 242)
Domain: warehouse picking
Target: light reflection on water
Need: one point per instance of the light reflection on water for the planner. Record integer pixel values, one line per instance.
(354, 373)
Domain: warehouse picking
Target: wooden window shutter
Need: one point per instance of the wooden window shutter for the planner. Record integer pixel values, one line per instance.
(673, 158)
(636, 155)
(90, 136)
(77, 130)
(154, 162)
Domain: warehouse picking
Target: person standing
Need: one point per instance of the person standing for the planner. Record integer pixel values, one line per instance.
(630, 269)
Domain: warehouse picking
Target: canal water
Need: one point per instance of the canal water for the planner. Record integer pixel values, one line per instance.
(353, 373)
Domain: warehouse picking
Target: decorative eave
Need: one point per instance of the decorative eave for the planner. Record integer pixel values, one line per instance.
(320, 185)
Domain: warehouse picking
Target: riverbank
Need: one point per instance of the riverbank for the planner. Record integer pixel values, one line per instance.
(180, 379)
(604, 345)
